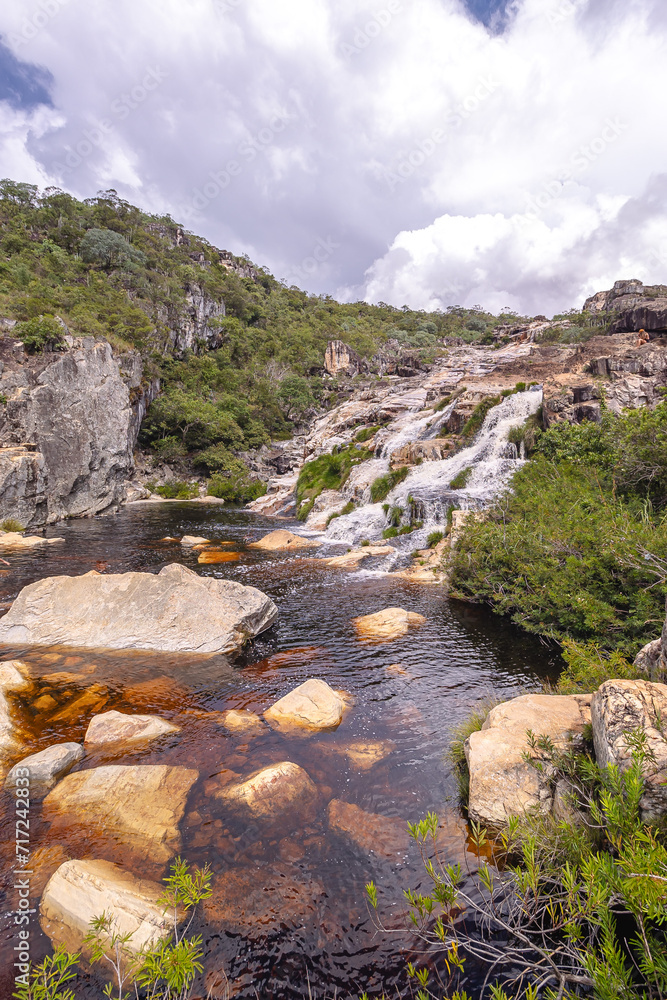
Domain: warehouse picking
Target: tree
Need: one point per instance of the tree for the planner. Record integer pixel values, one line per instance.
(295, 395)
(109, 249)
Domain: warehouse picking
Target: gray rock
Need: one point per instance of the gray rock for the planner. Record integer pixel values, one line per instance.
(174, 610)
(620, 707)
(46, 474)
(118, 727)
(46, 767)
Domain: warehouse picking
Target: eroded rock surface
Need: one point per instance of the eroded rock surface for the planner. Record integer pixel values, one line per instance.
(620, 707)
(136, 808)
(311, 707)
(502, 783)
(174, 609)
(80, 891)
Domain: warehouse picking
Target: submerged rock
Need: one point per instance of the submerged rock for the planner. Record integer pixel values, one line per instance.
(502, 783)
(311, 707)
(136, 808)
(373, 833)
(45, 768)
(241, 722)
(362, 754)
(212, 556)
(80, 891)
(174, 610)
(257, 902)
(620, 707)
(272, 794)
(117, 727)
(388, 624)
(355, 557)
(278, 540)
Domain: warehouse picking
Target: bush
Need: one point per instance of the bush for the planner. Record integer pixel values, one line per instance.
(235, 483)
(328, 472)
(383, 485)
(11, 524)
(434, 538)
(476, 418)
(390, 533)
(177, 490)
(109, 249)
(39, 333)
(366, 433)
(566, 910)
(460, 480)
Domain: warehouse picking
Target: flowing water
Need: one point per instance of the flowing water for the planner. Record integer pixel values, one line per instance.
(315, 929)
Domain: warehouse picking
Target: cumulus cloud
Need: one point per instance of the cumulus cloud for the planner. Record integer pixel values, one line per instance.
(397, 150)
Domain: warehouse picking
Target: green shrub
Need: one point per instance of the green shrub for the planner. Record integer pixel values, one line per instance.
(434, 538)
(109, 249)
(366, 433)
(528, 433)
(11, 524)
(39, 333)
(169, 448)
(365, 542)
(390, 533)
(304, 510)
(383, 485)
(328, 472)
(476, 418)
(235, 483)
(177, 490)
(460, 480)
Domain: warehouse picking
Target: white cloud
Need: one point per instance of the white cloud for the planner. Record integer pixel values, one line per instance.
(413, 137)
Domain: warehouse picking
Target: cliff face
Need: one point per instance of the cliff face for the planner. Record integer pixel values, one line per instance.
(68, 426)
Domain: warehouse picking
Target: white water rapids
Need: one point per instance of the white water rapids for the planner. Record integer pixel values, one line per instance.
(491, 457)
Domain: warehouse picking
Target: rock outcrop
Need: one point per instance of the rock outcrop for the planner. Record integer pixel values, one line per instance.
(632, 306)
(44, 769)
(174, 609)
(126, 809)
(502, 783)
(339, 359)
(80, 891)
(622, 707)
(310, 708)
(46, 474)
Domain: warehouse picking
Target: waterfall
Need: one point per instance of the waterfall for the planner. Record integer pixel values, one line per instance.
(491, 460)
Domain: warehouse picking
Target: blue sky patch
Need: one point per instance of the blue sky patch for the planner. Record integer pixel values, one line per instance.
(492, 13)
(22, 84)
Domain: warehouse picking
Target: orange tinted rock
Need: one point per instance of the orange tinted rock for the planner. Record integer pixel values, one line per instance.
(383, 626)
(92, 700)
(373, 833)
(158, 692)
(280, 540)
(272, 794)
(212, 556)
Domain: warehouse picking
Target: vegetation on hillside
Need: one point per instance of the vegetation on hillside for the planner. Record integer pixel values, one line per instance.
(577, 548)
(106, 269)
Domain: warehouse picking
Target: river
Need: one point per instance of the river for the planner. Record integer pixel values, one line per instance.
(408, 693)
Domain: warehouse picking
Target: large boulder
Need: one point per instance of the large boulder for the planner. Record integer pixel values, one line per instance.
(80, 891)
(135, 809)
(44, 769)
(280, 540)
(174, 610)
(14, 540)
(502, 783)
(311, 707)
(372, 833)
(273, 794)
(117, 727)
(621, 707)
(383, 626)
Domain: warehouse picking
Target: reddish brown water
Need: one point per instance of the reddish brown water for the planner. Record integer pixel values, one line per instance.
(410, 692)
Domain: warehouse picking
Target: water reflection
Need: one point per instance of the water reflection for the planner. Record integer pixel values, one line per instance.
(289, 900)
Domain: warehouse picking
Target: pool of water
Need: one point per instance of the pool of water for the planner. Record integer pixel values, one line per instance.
(313, 931)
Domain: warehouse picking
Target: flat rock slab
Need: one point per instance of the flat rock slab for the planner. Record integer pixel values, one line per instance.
(118, 727)
(258, 902)
(13, 540)
(272, 794)
(372, 833)
(502, 784)
(279, 540)
(354, 558)
(194, 541)
(311, 707)
(623, 706)
(79, 891)
(44, 769)
(213, 556)
(174, 610)
(137, 807)
(383, 626)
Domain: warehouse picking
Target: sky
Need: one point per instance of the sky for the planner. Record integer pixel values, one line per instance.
(502, 153)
